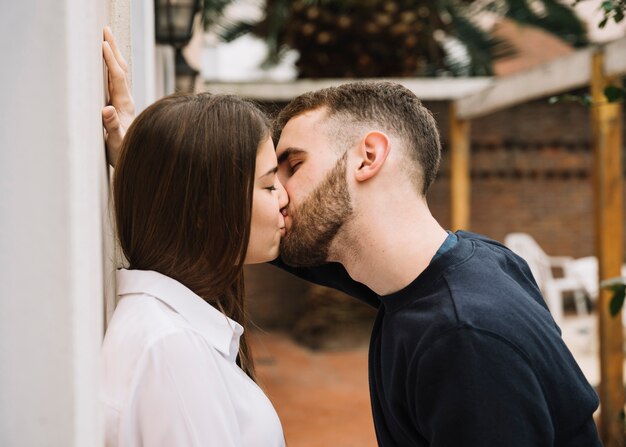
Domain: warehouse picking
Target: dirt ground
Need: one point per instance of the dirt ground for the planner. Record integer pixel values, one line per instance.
(322, 398)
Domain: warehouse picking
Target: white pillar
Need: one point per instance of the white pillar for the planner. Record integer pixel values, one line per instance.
(165, 70)
(53, 201)
(144, 53)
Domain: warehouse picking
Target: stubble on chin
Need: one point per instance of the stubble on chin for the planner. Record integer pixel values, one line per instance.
(316, 222)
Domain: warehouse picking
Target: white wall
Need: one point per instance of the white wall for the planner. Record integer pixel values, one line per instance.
(241, 59)
(55, 243)
(590, 12)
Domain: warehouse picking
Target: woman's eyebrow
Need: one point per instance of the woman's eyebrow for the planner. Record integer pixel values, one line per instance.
(274, 170)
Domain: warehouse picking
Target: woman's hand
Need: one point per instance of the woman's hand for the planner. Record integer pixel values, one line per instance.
(120, 112)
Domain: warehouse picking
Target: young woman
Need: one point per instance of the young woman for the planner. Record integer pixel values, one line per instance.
(196, 198)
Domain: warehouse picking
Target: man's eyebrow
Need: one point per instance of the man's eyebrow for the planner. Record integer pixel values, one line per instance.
(289, 152)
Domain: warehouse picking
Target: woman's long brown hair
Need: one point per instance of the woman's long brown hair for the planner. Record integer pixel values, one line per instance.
(183, 195)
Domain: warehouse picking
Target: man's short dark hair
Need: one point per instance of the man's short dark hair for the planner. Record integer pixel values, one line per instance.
(386, 104)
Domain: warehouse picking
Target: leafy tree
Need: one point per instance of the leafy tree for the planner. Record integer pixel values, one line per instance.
(372, 38)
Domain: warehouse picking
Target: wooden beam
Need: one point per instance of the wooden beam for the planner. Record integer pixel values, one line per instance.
(609, 221)
(554, 77)
(615, 58)
(427, 89)
(460, 188)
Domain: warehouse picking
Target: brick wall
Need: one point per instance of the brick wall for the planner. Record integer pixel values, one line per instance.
(555, 212)
(531, 170)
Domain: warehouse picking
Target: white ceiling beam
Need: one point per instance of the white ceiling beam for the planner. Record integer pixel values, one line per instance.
(554, 77)
(427, 89)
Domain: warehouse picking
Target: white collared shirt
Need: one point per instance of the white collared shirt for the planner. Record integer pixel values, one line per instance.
(170, 377)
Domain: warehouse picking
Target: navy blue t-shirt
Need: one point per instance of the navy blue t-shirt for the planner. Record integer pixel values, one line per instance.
(468, 355)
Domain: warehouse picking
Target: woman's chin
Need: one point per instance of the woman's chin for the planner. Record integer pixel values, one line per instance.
(265, 257)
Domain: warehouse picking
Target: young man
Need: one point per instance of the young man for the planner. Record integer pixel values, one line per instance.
(464, 351)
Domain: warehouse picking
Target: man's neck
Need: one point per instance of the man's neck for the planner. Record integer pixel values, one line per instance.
(385, 251)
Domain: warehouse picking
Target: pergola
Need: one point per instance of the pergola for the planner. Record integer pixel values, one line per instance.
(469, 98)
(596, 67)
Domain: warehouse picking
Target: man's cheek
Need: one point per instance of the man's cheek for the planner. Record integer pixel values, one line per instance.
(299, 189)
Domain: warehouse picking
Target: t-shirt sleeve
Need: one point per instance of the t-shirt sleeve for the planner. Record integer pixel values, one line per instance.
(181, 398)
(475, 389)
(335, 276)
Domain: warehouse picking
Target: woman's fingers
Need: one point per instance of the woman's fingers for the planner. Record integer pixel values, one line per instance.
(108, 37)
(118, 116)
(115, 133)
(117, 75)
(119, 91)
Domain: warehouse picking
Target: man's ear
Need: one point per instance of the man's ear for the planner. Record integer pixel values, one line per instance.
(373, 152)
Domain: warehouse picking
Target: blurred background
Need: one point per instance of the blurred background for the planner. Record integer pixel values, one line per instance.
(532, 127)
(530, 170)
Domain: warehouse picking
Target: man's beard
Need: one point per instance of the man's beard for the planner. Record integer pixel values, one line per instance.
(316, 222)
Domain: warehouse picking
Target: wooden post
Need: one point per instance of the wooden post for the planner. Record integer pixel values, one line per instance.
(609, 221)
(459, 171)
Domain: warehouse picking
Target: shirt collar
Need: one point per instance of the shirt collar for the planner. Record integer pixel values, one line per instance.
(219, 331)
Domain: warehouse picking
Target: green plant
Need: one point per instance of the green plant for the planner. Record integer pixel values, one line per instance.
(618, 287)
(612, 93)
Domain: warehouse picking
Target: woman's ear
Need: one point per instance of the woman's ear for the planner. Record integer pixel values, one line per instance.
(372, 152)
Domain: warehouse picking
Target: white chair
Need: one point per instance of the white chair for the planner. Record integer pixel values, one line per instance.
(586, 270)
(541, 265)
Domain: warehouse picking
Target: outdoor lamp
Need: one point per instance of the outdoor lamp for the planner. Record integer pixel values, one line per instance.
(174, 26)
(185, 73)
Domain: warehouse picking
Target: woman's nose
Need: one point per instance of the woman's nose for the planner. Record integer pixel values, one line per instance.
(283, 197)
